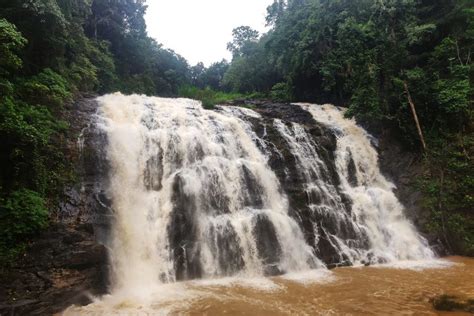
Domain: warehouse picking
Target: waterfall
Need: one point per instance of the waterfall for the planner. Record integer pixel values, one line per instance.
(194, 194)
(376, 213)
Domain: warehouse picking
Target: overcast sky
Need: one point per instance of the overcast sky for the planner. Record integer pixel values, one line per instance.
(200, 29)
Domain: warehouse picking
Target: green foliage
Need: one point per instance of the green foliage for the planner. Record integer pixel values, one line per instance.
(25, 147)
(11, 41)
(23, 214)
(211, 98)
(359, 54)
(243, 39)
(281, 92)
(211, 77)
(106, 73)
(47, 88)
(140, 65)
(448, 187)
(251, 72)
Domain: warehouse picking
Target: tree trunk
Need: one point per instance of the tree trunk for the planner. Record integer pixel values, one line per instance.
(415, 116)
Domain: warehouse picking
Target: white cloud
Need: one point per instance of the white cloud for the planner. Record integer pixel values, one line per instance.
(200, 29)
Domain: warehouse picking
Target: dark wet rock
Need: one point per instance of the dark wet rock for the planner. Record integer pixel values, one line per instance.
(341, 264)
(269, 249)
(448, 303)
(62, 268)
(230, 255)
(183, 233)
(351, 168)
(252, 192)
(289, 112)
(154, 172)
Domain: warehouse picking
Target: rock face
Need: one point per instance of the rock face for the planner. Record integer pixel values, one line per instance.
(64, 266)
(67, 264)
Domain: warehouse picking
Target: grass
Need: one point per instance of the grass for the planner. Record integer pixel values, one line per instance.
(210, 98)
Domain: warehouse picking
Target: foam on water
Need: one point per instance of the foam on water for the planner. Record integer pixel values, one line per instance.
(418, 265)
(160, 300)
(258, 283)
(319, 276)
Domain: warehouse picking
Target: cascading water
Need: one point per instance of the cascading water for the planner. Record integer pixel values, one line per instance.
(194, 195)
(372, 228)
(375, 209)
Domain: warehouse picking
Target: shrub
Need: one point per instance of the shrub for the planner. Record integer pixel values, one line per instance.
(46, 88)
(23, 214)
(210, 97)
(280, 92)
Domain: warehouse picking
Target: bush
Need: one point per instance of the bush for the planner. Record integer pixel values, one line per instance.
(23, 214)
(11, 41)
(447, 185)
(281, 92)
(209, 97)
(46, 88)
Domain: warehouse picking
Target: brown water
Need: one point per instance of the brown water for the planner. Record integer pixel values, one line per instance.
(343, 291)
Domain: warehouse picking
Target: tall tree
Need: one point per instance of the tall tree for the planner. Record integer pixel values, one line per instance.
(244, 39)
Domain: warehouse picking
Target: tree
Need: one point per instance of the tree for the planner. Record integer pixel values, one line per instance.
(275, 11)
(11, 43)
(243, 39)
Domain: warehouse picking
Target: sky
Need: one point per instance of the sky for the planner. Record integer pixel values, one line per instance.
(199, 30)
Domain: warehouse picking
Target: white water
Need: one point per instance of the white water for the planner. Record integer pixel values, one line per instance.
(153, 143)
(194, 197)
(323, 198)
(375, 208)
